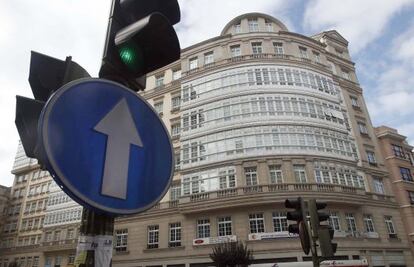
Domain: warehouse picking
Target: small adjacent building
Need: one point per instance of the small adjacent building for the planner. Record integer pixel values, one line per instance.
(399, 160)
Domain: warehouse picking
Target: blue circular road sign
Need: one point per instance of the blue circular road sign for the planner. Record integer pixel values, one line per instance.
(106, 146)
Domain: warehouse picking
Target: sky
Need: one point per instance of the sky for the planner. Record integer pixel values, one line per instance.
(380, 35)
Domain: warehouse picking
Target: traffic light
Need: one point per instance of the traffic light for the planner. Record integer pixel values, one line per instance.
(298, 215)
(140, 38)
(47, 74)
(324, 233)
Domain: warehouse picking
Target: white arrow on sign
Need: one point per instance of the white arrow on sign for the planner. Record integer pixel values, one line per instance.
(120, 128)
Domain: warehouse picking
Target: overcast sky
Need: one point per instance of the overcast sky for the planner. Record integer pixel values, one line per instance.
(380, 35)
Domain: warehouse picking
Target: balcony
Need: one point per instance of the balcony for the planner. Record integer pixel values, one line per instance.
(252, 57)
(59, 244)
(269, 194)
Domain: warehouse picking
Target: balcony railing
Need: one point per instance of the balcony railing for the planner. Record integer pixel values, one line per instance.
(261, 56)
(344, 193)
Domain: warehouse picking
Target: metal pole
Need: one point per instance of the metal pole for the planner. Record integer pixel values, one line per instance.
(94, 247)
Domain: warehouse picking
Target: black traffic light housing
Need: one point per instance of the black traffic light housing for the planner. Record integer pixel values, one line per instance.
(46, 75)
(298, 215)
(140, 39)
(324, 233)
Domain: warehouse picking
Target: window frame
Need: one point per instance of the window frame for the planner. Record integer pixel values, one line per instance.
(203, 228)
(121, 240)
(256, 223)
(175, 234)
(224, 226)
(153, 236)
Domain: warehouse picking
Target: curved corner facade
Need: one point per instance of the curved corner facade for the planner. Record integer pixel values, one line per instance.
(257, 115)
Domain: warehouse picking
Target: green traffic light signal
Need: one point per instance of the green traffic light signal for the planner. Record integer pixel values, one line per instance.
(131, 55)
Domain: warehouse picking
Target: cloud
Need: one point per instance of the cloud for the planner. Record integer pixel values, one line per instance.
(60, 28)
(204, 19)
(56, 28)
(394, 89)
(360, 22)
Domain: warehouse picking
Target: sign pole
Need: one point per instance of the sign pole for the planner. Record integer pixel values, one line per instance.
(94, 247)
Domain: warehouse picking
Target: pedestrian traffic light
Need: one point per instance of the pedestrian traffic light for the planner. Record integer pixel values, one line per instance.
(46, 75)
(316, 216)
(323, 233)
(140, 38)
(298, 215)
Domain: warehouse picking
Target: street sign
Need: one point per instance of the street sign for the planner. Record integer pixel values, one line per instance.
(106, 146)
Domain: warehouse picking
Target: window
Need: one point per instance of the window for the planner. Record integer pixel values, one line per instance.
(406, 174)
(176, 102)
(269, 25)
(70, 234)
(203, 228)
(193, 63)
(237, 27)
(339, 53)
(278, 47)
(276, 175)
(256, 222)
(71, 259)
(257, 48)
(362, 128)
(300, 174)
(159, 107)
(350, 223)
(48, 236)
(58, 261)
(368, 224)
(177, 158)
(227, 179)
(175, 235)
(378, 186)
(153, 236)
(175, 192)
(208, 58)
(390, 227)
(253, 25)
(56, 236)
(317, 57)
(398, 151)
(175, 129)
(303, 52)
(224, 226)
(280, 223)
(371, 158)
(176, 74)
(48, 261)
(159, 81)
(332, 67)
(411, 196)
(251, 176)
(121, 239)
(346, 75)
(235, 51)
(354, 102)
(334, 221)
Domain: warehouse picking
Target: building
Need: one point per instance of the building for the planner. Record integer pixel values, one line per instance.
(4, 204)
(259, 114)
(22, 233)
(399, 161)
(42, 222)
(60, 228)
